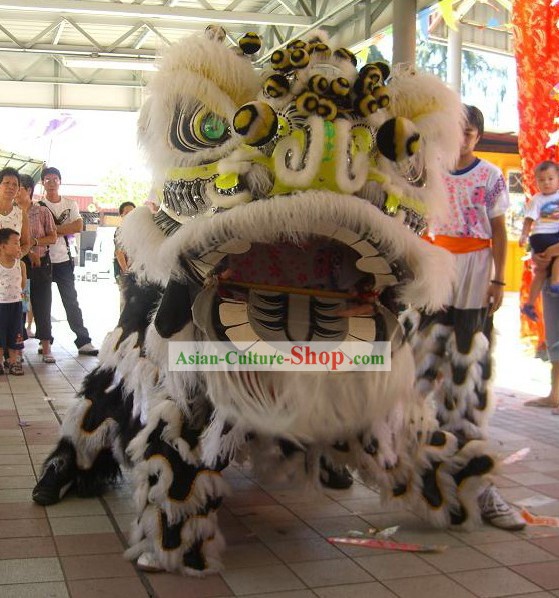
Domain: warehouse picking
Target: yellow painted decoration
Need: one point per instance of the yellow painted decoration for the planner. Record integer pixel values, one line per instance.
(276, 86)
(371, 72)
(250, 43)
(327, 109)
(366, 105)
(361, 140)
(297, 43)
(320, 48)
(190, 173)
(346, 54)
(392, 204)
(242, 121)
(225, 182)
(413, 147)
(280, 60)
(318, 84)
(299, 58)
(382, 96)
(283, 126)
(306, 103)
(447, 13)
(340, 87)
(256, 122)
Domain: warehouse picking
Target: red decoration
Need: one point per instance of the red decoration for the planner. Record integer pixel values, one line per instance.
(536, 45)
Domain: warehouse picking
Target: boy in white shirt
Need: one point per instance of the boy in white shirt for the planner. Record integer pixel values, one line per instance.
(544, 211)
(12, 282)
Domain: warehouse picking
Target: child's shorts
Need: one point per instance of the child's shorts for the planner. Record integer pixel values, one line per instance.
(541, 241)
(11, 326)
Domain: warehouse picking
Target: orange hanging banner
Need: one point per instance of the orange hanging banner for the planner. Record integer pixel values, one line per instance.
(536, 47)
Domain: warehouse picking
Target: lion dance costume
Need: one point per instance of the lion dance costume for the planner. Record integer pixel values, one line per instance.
(292, 204)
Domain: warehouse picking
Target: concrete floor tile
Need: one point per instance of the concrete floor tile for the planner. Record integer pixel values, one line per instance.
(27, 510)
(26, 548)
(24, 528)
(177, 586)
(307, 549)
(108, 588)
(14, 495)
(18, 483)
(531, 478)
(484, 535)
(432, 586)
(491, 583)
(545, 575)
(395, 566)
(76, 507)
(81, 544)
(261, 580)
(29, 571)
(35, 590)
(254, 554)
(358, 590)
(96, 566)
(16, 470)
(459, 559)
(330, 572)
(65, 526)
(516, 553)
(292, 594)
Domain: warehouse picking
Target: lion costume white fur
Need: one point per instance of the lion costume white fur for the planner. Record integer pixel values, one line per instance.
(292, 204)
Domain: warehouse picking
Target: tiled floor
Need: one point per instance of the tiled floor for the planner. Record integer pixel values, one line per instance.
(276, 537)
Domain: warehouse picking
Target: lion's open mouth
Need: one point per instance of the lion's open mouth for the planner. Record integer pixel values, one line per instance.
(312, 288)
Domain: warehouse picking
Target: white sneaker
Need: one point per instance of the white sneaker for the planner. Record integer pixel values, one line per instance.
(496, 511)
(148, 562)
(88, 349)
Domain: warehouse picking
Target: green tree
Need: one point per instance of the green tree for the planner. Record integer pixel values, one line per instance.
(477, 73)
(120, 186)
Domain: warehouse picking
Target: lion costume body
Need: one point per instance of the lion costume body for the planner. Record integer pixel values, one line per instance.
(292, 203)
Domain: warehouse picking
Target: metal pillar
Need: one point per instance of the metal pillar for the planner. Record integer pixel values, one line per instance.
(454, 74)
(404, 15)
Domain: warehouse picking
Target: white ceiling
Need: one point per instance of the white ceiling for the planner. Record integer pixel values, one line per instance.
(37, 37)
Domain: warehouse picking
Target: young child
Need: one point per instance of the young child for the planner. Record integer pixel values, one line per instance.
(544, 211)
(12, 282)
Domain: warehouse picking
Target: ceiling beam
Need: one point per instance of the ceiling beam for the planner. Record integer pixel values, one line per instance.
(337, 8)
(76, 50)
(68, 81)
(176, 14)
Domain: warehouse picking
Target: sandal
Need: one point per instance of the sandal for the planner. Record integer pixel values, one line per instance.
(15, 369)
(529, 311)
(49, 358)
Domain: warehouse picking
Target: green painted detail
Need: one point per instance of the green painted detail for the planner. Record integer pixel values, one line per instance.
(213, 127)
(329, 141)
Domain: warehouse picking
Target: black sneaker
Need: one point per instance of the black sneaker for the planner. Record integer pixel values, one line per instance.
(335, 478)
(52, 486)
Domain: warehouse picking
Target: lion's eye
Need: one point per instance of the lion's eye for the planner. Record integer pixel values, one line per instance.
(198, 130)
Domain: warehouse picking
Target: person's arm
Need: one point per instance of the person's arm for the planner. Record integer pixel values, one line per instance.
(496, 289)
(122, 260)
(526, 228)
(24, 238)
(70, 228)
(23, 274)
